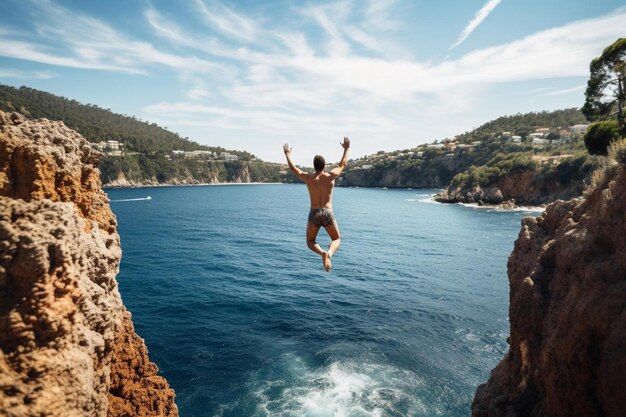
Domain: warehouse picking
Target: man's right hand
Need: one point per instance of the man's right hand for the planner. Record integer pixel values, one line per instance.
(346, 143)
(286, 149)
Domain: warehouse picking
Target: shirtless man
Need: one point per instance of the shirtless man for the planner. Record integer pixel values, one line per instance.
(320, 185)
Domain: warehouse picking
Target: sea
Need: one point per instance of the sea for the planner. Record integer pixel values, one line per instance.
(242, 319)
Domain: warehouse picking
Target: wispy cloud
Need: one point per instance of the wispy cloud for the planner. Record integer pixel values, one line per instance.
(72, 39)
(26, 75)
(223, 19)
(564, 91)
(377, 15)
(479, 17)
(325, 17)
(293, 88)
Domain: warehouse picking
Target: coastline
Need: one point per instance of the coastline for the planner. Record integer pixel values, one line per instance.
(484, 206)
(109, 186)
(431, 199)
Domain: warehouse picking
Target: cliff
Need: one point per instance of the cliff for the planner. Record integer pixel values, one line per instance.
(567, 312)
(521, 188)
(67, 343)
(215, 173)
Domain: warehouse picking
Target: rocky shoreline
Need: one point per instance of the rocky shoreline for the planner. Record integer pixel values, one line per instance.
(519, 189)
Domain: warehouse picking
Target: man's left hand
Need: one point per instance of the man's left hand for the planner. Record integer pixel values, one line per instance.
(346, 143)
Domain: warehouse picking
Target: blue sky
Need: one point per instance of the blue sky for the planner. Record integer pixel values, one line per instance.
(391, 74)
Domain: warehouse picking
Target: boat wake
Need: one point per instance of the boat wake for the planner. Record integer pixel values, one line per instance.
(132, 199)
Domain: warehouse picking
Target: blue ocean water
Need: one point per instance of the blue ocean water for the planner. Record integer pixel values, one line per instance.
(242, 319)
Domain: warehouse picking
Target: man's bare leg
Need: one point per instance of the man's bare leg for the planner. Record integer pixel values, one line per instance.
(311, 234)
(333, 232)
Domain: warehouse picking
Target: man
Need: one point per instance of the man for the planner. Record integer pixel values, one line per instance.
(320, 185)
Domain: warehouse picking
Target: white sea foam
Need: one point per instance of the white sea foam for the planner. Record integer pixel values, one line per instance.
(525, 209)
(132, 199)
(431, 200)
(423, 198)
(341, 390)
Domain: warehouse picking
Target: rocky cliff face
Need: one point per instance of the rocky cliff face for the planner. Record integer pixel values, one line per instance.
(67, 344)
(567, 312)
(523, 188)
(215, 173)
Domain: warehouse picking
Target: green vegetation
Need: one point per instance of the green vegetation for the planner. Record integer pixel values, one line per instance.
(497, 167)
(485, 156)
(524, 124)
(600, 135)
(147, 147)
(605, 98)
(606, 89)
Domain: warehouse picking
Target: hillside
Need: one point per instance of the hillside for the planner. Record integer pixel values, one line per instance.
(136, 151)
(543, 149)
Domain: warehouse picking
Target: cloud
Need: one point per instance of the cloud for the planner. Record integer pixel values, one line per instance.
(292, 88)
(225, 20)
(325, 16)
(26, 75)
(72, 39)
(377, 15)
(479, 17)
(564, 91)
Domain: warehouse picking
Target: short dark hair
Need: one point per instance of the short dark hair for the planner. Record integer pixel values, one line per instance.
(319, 162)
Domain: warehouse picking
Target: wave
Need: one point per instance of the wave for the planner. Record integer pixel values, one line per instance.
(525, 209)
(340, 389)
(131, 199)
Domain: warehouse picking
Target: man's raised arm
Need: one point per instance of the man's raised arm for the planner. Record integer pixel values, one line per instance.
(299, 173)
(344, 159)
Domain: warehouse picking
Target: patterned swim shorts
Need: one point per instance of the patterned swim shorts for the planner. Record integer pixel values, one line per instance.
(321, 217)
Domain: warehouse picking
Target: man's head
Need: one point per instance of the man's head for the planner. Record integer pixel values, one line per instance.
(319, 163)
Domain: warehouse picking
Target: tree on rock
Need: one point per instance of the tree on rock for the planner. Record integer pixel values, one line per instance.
(605, 96)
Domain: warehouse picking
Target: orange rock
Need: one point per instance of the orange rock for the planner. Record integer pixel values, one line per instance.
(567, 274)
(67, 343)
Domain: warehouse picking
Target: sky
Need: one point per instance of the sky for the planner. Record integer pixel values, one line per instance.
(252, 75)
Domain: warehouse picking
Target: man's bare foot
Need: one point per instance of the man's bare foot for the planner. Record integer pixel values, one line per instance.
(326, 261)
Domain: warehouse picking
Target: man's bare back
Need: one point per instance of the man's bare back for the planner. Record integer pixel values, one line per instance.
(320, 185)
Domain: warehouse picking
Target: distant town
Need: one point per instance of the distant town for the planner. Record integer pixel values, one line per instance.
(541, 136)
(116, 148)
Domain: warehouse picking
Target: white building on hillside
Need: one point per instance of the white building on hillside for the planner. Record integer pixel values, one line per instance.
(579, 128)
(228, 157)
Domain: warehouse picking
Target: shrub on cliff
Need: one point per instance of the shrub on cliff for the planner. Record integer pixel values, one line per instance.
(482, 175)
(600, 135)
